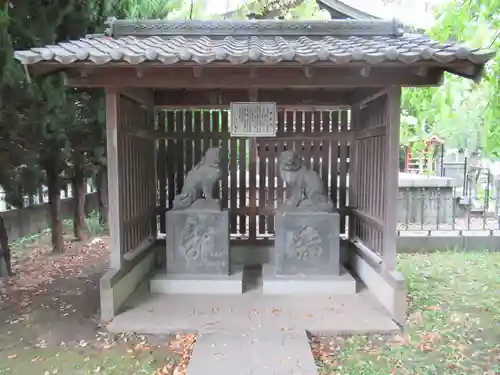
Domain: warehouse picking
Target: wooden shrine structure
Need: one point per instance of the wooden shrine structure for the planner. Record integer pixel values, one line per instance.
(426, 161)
(337, 87)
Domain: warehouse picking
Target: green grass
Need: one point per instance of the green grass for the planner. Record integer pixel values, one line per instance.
(73, 361)
(453, 324)
(94, 228)
(453, 327)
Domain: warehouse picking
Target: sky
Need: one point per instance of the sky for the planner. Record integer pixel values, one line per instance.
(413, 13)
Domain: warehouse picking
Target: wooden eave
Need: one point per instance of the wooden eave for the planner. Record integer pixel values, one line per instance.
(269, 77)
(428, 73)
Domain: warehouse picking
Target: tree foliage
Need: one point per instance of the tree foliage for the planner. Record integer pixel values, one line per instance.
(268, 9)
(466, 114)
(51, 134)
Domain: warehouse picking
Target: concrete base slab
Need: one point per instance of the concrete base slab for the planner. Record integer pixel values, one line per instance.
(163, 283)
(262, 352)
(159, 314)
(308, 284)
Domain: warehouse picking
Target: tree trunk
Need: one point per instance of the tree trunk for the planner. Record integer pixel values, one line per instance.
(79, 226)
(102, 195)
(5, 264)
(55, 211)
(40, 195)
(78, 185)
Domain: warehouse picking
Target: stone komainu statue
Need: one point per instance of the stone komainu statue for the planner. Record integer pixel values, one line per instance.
(200, 181)
(307, 190)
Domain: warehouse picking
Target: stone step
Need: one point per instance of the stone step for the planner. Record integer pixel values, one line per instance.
(163, 283)
(258, 352)
(341, 284)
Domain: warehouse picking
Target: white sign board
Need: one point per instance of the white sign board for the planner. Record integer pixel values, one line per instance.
(253, 119)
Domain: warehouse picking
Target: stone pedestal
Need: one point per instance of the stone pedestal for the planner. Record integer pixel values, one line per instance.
(307, 243)
(198, 253)
(198, 242)
(306, 257)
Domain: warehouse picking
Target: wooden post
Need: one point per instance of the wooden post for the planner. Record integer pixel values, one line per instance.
(391, 177)
(353, 170)
(115, 215)
(151, 126)
(161, 162)
(252, 172)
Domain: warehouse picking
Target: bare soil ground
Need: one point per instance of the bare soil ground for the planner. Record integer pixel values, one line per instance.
(49, 318)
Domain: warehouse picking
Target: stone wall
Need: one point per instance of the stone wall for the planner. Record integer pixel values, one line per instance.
(426, 199)
(422, 199)
(473, 241)
(34, 219)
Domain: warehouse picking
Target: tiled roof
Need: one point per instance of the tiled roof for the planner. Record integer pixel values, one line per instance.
(271, 42)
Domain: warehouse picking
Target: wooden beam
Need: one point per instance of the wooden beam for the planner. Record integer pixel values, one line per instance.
(363, 96)
(143, 246)
(184, 98)
(237, 78)
(365, 71)
(284, 136)
(139, 218)
(361, 247)
(253, 94)
(377, 131)
(197, 71)
(307, 72)
(457, 64)
(114, 138)
(144, 97)
(421, 71)
(139, 72)
(369, 219)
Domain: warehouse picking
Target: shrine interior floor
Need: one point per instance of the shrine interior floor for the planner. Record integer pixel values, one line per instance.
(156, 314)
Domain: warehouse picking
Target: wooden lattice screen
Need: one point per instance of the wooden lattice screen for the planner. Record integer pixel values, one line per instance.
(251, 189)
(369, 178)
(136, 176)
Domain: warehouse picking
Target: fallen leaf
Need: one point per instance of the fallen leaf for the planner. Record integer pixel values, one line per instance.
(432, 308)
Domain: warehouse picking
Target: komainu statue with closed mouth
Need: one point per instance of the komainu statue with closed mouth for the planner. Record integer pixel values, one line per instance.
(307, 192)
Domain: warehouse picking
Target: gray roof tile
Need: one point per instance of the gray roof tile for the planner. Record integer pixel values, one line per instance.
(340, 41)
